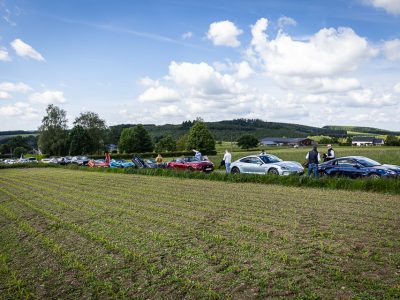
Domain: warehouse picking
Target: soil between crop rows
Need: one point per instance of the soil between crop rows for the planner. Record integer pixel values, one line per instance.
(74, 234)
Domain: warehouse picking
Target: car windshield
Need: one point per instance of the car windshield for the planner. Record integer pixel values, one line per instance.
(191, 159)
(366, 162)
(269, 158)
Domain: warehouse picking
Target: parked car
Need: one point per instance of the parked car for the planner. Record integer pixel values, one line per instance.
(80, 160)
(266, 164)
(100, 163)
(191, 163)
(146, 163)
(46, 160)
(121, 164)
(358, 166)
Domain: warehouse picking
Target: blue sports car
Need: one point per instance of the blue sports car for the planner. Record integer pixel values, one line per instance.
(358, 166)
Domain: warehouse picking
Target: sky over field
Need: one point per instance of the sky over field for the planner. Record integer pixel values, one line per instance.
(313, 62)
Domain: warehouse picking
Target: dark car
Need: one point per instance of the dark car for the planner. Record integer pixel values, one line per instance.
(358, 166)
(80, 160)
(191, 163)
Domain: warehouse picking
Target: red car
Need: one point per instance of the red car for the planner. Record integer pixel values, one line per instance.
(191, 163)
(100, 163)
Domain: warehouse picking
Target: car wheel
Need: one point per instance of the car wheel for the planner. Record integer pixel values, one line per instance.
(235, 170)
(374, 176)
(190, 169)
(273, 171)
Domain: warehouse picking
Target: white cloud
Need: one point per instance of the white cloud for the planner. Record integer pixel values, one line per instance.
(224, 33)
(329, 52)
(286, 21)
(369, 98)
(317, 84)
(4, 95)
(19, 109)
(47, 97)
(25, 50)
(396, 88)
(147, 81)
(159, 94)
(392, 49)
(243, 70)
(19, 87)
(187, 35)
(4, 54)
(391, 6)
(203, 80)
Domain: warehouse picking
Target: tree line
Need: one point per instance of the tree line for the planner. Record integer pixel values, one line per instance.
(90, 135)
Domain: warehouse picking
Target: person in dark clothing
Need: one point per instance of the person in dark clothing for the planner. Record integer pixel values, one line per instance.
(313, 158)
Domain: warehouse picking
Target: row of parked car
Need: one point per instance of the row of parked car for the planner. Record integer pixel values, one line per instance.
(350, 166)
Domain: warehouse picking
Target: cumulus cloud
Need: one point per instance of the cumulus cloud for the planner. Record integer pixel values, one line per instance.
(159, 94)
(224, 33)
(25, 50)
(329, 52)
(317, 84)
(202, 79)
(391, 6)
(243, 70)
(392, 49)
(4, 54)
(47, 97)
(286, 21)
(369, 98)
(4, 95)
(19, 109)
(147, 81)
(396, 88)
(19, 87)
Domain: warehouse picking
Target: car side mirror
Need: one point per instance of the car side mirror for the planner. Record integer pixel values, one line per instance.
(260, 163)
(356, 166)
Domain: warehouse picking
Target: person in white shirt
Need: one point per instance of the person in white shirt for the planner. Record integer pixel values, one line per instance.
(227, 159)
(331, 154)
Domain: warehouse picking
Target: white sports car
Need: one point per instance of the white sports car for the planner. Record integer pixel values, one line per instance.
(266, 164)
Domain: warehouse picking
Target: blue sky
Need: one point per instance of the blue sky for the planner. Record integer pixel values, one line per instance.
(308, 62)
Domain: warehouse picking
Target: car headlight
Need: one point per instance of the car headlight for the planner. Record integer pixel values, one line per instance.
(284, 168)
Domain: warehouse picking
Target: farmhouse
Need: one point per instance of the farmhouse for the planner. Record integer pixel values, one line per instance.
(275, 141)
(366, 141)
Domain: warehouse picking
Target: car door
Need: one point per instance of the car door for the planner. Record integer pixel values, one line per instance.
(245, 165)
(346, 167)
(256, 165)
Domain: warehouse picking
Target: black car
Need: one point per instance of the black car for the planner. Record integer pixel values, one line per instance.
(80, 160)
(358, 166)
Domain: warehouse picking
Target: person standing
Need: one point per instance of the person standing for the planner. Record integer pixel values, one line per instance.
(159, 160)
(331, 153)
(227, 159)
(197, 154)
(313, 159)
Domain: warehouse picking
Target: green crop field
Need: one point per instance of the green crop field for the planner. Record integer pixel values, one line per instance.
(76, 235)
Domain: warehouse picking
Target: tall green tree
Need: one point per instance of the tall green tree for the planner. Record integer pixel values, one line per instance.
(166, 144)
(200, 137)
(95, 126)
(80, 142)
(135, 140)
(181, 142)
(19, 151)
(392, 140)
(53, 136)
(247, 141)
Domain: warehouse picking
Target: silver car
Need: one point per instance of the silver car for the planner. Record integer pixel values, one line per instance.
(266, 164)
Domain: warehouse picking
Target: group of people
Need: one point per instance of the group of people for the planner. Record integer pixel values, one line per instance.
(313, 158)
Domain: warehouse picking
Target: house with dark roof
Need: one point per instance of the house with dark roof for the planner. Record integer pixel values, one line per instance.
(276, 141)
(367, 141)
